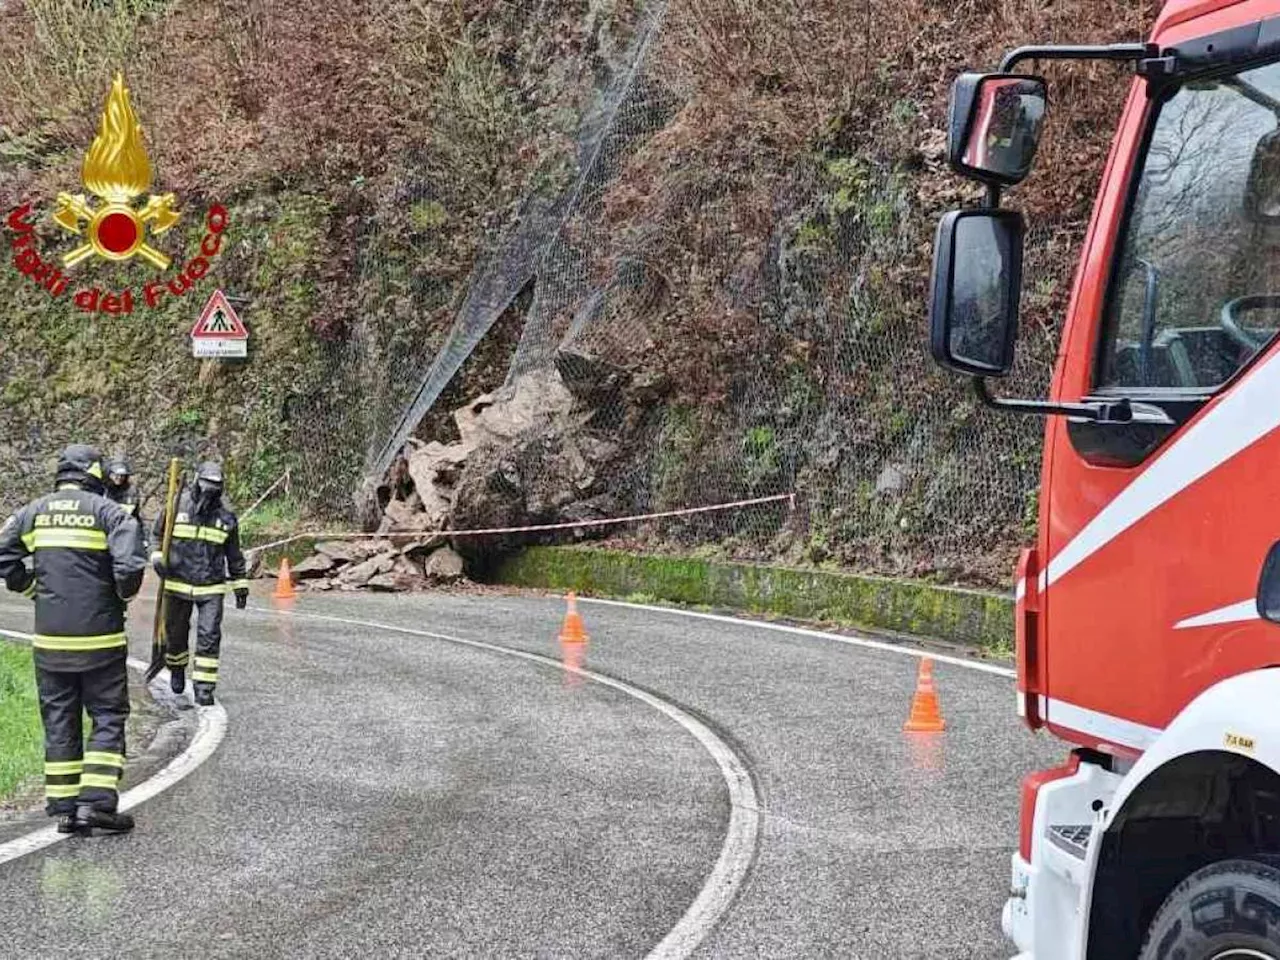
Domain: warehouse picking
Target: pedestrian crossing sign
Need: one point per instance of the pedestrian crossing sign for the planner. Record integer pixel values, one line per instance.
(219, 332)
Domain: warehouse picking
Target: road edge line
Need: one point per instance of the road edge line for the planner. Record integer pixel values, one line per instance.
(737, 851)
(211, 728)
(855, 641)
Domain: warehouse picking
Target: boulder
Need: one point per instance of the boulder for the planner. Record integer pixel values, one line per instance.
(348, 551)
(407, 567)
(314, 566)
(443, 566)
(401, 516)
(434, 468)
(361, 573)
(390, 583)
(418, 549)
(532, 401)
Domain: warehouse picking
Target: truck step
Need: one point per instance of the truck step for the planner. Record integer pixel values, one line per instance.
(1072, 838)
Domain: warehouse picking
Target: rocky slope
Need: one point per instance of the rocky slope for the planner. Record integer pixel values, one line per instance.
(726, 301)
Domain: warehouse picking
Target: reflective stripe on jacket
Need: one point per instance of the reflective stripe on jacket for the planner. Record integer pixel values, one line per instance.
(86, 563)
(204, 557)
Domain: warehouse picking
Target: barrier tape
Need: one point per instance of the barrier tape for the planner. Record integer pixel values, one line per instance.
(790, 498)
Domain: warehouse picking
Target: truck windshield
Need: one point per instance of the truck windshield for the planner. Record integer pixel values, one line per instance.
(1198, 289)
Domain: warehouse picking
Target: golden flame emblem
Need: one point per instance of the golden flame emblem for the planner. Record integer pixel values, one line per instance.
(116, 170)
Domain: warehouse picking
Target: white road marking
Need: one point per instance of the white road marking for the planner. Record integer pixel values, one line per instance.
(210, 729)
(898, 648)
(738, 849)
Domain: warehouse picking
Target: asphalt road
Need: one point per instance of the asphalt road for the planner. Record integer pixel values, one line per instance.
(388, 794)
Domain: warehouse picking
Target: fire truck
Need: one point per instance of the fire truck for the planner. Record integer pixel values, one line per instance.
(1148, 611)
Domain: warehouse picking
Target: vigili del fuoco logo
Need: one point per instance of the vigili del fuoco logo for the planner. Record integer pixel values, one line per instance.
(111, 225)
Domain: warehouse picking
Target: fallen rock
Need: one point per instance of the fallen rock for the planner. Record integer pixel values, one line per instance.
(348, 551)
(390, 583)
(407, 567)
(532, 401)
(361, 573)
(443, 566)
(314, 566)
(418, 549)
(434, 469)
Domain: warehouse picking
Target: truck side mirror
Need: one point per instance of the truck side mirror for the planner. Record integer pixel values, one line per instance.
(977, 282)
(995, 124)
(1262, 191)
(1269, 586)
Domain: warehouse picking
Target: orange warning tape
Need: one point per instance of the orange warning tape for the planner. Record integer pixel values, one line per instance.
(571, 525)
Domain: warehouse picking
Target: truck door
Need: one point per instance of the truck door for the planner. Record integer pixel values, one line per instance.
(1155, 533)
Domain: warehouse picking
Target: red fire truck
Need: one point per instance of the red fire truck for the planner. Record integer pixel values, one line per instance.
(1148, 610)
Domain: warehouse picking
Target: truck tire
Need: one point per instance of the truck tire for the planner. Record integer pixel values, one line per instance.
(1229, 910)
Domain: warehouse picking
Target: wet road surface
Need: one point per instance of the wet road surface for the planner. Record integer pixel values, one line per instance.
(396, 795)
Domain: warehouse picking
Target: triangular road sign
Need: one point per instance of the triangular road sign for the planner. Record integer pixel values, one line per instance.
(218, 321)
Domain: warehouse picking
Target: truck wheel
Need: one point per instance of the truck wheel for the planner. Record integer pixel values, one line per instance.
(1229, 910)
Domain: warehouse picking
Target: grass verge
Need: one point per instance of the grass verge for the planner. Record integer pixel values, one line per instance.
(21, 736)
(972, 618)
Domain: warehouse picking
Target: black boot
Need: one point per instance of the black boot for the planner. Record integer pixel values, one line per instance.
(177, 679)
(204, 696)
(67, 823)
(89, 818)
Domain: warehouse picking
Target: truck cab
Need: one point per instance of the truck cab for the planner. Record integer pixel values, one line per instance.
(1147, 610)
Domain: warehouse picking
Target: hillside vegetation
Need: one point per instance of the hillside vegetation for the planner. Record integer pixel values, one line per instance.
(754, 233)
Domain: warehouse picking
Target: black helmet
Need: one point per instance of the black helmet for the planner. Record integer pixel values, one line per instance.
(208, 491)
(81, 464)
(118, 471)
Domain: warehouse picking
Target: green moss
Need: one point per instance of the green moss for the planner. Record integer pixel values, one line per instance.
(970, 617)
(21, 737)
(428, 215)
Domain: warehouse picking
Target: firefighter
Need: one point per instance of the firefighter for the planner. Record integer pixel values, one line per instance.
(204, 552)
(120, 488)
(86, 565)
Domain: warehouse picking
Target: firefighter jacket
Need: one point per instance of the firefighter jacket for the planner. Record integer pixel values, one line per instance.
(126, 496)
(86, 565)
(204, 557)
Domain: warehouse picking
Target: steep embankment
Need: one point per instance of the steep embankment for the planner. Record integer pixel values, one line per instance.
(741, 256)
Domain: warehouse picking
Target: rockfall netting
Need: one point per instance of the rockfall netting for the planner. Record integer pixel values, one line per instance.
(690, 315)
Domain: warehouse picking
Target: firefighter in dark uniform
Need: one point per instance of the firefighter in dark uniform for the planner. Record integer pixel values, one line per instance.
(85, 566)
(120, 488)
(204, 563)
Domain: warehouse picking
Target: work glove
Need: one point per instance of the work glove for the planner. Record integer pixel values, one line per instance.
(242, 598)
(160, 567)
(21, 580)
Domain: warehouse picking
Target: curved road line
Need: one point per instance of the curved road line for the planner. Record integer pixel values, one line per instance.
(210, 730)
(899, 648)
(736, 853)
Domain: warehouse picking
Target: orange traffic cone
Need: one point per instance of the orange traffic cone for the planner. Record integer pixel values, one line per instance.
(925, 715)
(284, 582)
(573, 630)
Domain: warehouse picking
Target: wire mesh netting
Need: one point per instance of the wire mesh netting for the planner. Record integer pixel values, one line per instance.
(528, 262)
(704, 365)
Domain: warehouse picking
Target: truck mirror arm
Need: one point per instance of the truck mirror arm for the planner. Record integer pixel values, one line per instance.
(1134, 52)
(1119, 411)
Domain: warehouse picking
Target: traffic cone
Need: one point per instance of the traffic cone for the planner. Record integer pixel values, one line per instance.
(284, 582)
(573, 630)
(925, 717)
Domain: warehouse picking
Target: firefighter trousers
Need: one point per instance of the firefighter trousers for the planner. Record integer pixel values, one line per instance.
(177, 624)
(73, 769)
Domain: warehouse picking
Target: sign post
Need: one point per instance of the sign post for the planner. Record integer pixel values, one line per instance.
(219, 331)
